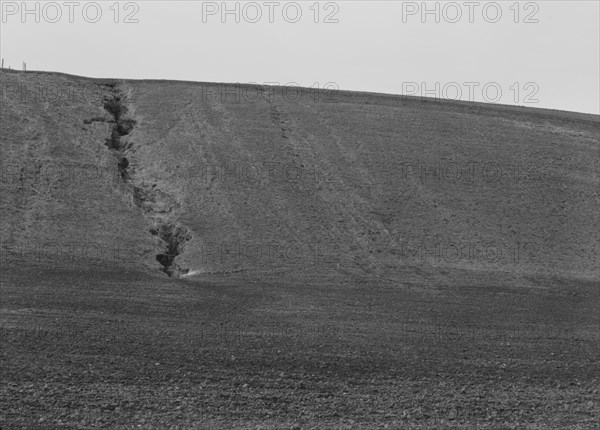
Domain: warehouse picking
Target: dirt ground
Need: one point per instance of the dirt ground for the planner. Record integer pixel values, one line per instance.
(175, 259)
(109, 349)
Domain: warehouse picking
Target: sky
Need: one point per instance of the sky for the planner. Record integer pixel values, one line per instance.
(540, 54)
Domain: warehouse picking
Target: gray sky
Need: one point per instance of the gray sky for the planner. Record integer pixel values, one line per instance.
(549, 57)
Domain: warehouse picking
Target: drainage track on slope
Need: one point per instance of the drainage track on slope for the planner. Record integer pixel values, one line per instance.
(154, 203)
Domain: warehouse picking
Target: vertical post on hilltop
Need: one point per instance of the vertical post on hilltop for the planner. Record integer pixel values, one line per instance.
(24, 66)
(3, 64)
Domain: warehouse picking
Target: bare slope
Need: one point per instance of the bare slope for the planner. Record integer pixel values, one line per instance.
(338, 320)
(210, 177)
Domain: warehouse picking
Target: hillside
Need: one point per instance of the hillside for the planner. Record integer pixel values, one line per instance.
(270, 179)
(202, 255)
